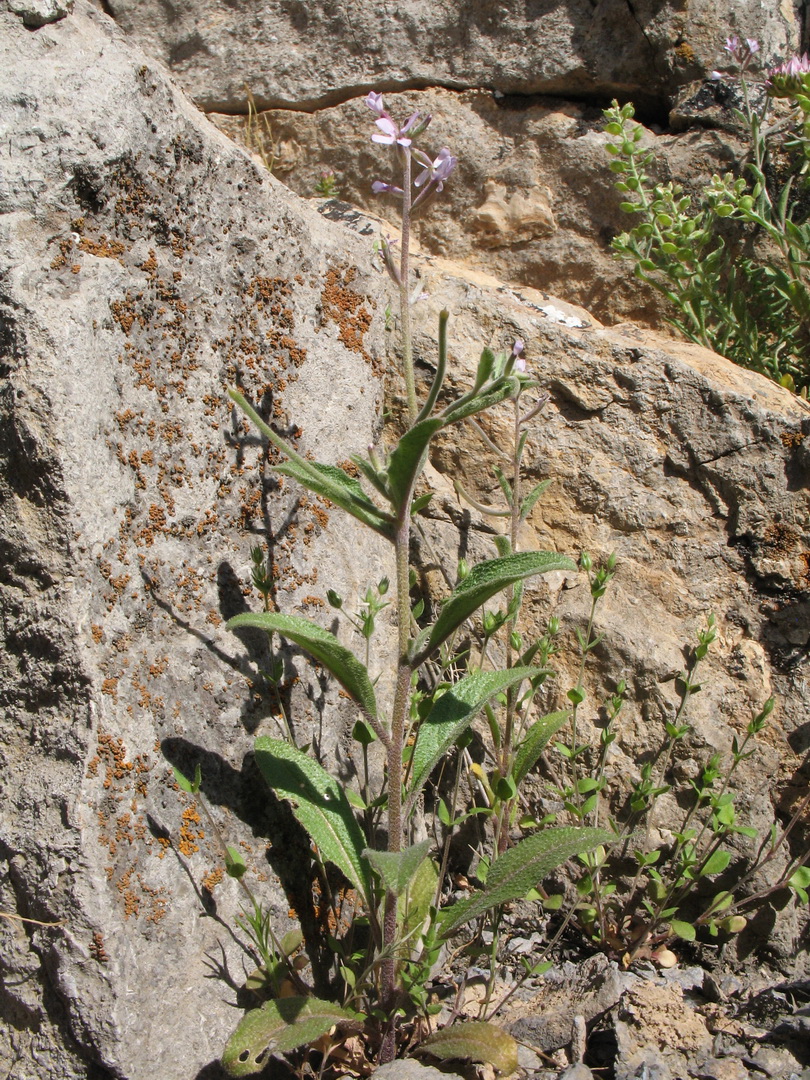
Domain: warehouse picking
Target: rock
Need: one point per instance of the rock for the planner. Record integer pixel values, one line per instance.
(588, 989)
(36, 13)
(133, 293)
(410, 1070)
(575, 49)
(657, 1032)
(147, 264)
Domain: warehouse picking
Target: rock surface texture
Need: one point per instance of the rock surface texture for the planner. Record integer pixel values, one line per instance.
(524, 88)
(576, 48)
(148, 263)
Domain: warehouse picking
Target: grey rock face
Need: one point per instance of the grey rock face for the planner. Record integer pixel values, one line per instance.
(36, 13)
(133, 294)
(279, 49)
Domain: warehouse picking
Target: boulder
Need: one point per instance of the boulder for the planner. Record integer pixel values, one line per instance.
(293, 54)
(148, 264)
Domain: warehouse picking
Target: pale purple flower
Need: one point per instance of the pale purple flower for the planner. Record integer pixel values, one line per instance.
(435, 171)
(517, 349)
(753, 45)
(375, 103)
(391, 134)
(788, 78)
(379, 186)
(732, 44)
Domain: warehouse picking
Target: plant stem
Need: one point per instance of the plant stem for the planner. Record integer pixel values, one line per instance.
(404, 289)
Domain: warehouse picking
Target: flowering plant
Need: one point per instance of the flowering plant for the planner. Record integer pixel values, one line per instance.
(374, 838)
(752, 308)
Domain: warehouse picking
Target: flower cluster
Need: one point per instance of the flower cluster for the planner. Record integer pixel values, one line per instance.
(741, 52)
(789, 78)
(434, 171)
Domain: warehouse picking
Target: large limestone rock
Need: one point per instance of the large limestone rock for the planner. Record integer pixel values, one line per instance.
(147, 264)
(292, 53)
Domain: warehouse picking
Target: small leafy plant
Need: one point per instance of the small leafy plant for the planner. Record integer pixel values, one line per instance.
(735, 266)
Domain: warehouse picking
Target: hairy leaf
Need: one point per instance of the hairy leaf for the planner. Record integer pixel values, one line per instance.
(482, 583)
(320, 644)
(278, 1027)
(419, 896)
(476, 1040)
(398, 869)
(528, 503)
(408, 458)
(327, 480)
(535, 742)
(319, 804)
(521, 868)
(452, 714)
(492, 395)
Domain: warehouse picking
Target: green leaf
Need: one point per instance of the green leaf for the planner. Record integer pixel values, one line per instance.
(536, 740)
(398, 869)
(476, 1040)
(521, 868)
(419, 896)
(408, 458)
(235, 865)
(453, 713)
(189, 786)
(716, 864)
(683, 930)
(495, 393)
(320, 644)
(343, 490)
(326, 480)
(320, 805)
(441, 370)
(800, 879)
(527, 505)
(483, 582)
(278, 1027)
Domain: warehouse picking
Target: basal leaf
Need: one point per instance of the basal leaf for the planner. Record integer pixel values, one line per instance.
(319, 804)
(278, 1027)
(683, 930)
(320, 644)
(521, 868)
(419, 896)
(398, 869)
(476, 1040)
(408, 458)
(482, 583)
(452, 714)
(535, 742)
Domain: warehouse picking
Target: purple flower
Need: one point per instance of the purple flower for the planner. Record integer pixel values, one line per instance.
(435, 171)
(519, 361)
(378, 187)
(375, 103)
(732, 44)
(788, 78)
(391, 134)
